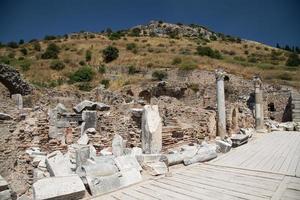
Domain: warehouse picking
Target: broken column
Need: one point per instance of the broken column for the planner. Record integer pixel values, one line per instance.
(18, 100)
(89, 120)
(220, 74)
(259, 111)
(151, 130)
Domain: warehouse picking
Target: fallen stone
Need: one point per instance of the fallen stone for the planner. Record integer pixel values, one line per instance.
(288, 126)
(4, 116)
(103, 184)
(156, 168)
(247, 131)
(24, 197)
(99, 169)
(90, 131)
(204, 154)
(58, 188)
(137, 112)
(5, 195)
(3, 184)
(89, 105)
(239, 139)
(130, 176)
(224, 147)
(151, 130)
(118, 145)
(136, 151)
(127, 162)
(82, 155)
(146, 158)
(83, 140)
(106, 151)
(58, 164)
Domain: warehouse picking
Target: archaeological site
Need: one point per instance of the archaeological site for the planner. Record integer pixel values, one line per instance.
(156, 111)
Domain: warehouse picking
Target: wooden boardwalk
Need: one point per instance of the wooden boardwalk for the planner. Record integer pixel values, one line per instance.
(263, 169)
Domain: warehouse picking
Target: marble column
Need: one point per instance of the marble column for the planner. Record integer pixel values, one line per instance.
(259, 110)
(221, 121)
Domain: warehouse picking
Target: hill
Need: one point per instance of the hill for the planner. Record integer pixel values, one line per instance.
(142, 50)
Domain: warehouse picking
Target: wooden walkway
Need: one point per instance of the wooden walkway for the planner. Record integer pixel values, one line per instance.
(263, 169)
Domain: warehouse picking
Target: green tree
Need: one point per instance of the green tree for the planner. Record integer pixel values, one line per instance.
(293, 60)
(24, 51)
(36, 46)
(83, 74)
(57, 65)
(88, 55)
(21, 41)
(52, 51)
(159, 75)
(13, 45)
(207, 51)
(110, 53)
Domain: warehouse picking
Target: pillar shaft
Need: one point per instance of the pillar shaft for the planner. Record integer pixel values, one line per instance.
(259, 110)
(221, 104)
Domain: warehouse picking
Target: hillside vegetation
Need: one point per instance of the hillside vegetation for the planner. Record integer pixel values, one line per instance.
(84, 60)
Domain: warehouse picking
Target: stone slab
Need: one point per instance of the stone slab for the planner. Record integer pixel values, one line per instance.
(103, 184)
(127, 162)
(59, 188)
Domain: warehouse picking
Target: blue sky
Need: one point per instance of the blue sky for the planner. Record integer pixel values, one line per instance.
(267, 21)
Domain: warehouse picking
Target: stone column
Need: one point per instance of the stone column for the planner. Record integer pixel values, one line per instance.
(221, 121)
(259, 110)
(151, 130)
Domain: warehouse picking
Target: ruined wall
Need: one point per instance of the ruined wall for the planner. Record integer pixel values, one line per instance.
(11, 78)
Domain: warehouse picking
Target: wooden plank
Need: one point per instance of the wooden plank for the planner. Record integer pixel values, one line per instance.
(122, 196)
(167, 191)
(241, 179)
(285, 168)
(153, 193)
(217, 190)
(202, 192)
(138, 195)
(232, 186)
(281, 188)
(255, 173)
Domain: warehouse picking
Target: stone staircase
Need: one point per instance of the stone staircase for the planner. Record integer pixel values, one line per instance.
(296, 107)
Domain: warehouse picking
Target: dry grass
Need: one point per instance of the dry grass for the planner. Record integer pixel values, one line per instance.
(155, 53)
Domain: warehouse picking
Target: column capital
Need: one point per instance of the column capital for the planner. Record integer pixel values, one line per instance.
(257, 81)
(220, 74)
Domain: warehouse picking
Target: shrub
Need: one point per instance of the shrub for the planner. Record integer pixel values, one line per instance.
(131, 46)
(88, 55)
(25, 66)
(132, 69)
(135, 32)
(11, 55)
(84, 86)
(159, 75)
(83, 74)
(285, 76)
(110, 53)
(36, 46)
(188, 65)
(21, 41)
(24, 51)
(207, 51)
(51, 52)
(50, 37)
(176, 61)
(105, 82)
(293, 60)
(82, 63)
(13, 45)
(115, 36)
(102, 69)
(57, 65)
(252, 60)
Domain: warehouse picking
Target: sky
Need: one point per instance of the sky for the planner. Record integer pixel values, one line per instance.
(266, 21)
